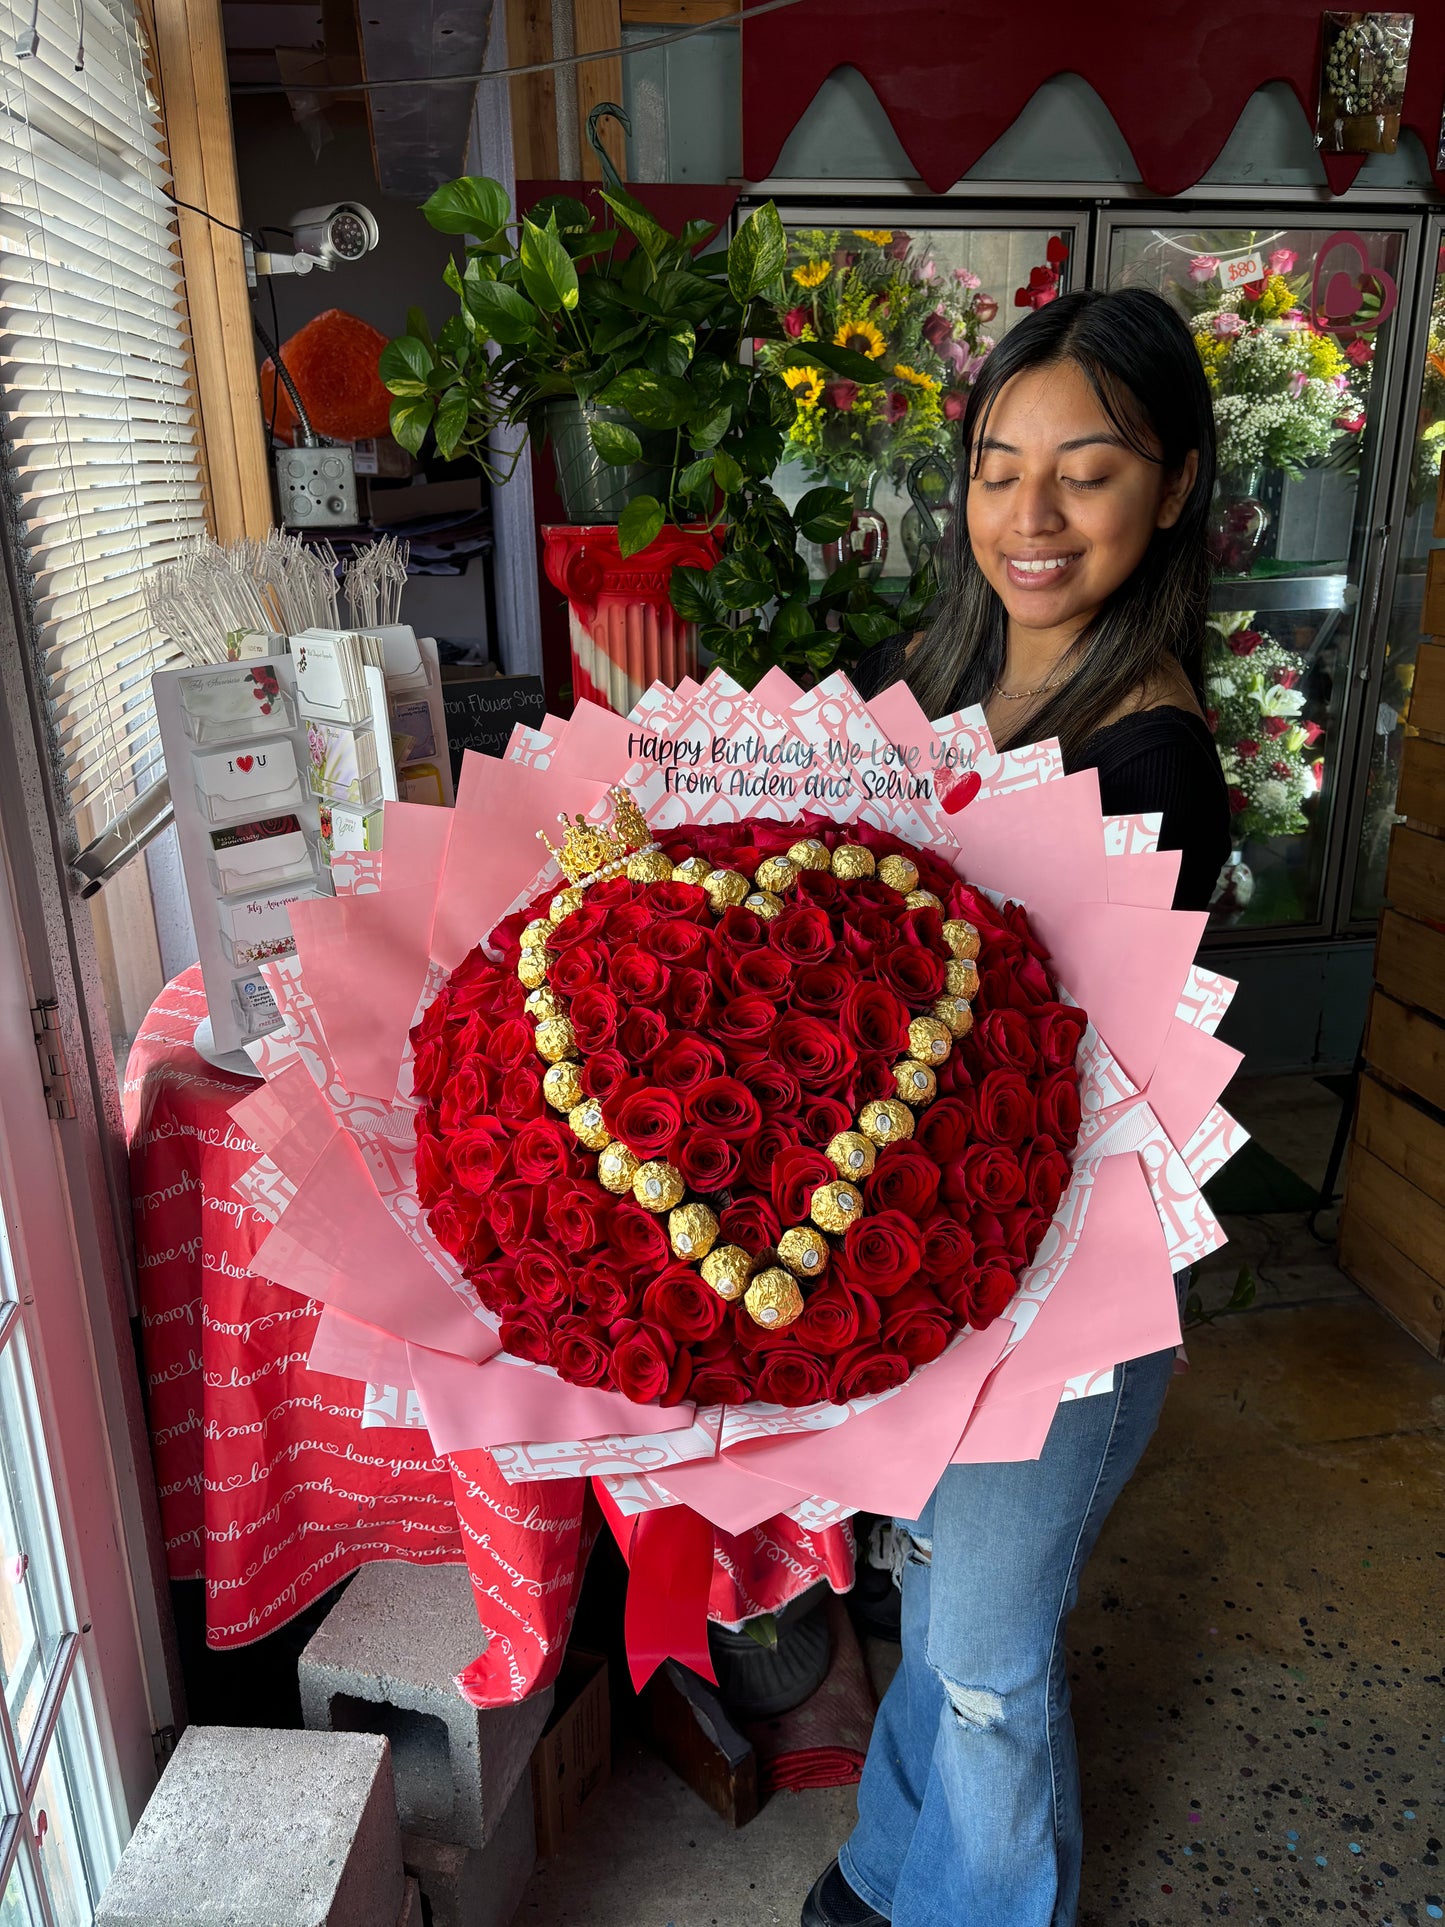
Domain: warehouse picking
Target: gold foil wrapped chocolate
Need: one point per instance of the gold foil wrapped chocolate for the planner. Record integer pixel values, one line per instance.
(564, 903)
(727, 1269)
(533, 965)
(562, 1085)
(649, 866)
(804, 1251)
(763, 904)
(616, 1168)
(554, 1039)
(535, 933)
(961, 937)
(657, 1185)
(773, 1299)
(725, 888)
(887, 1120)
(851, 861)
(852, 1155)
(956, 1013)
(776, 874)
(899, 874)
(916, 1082)
(586, 1121)
(810, 853)
(960, 975)
(929, 1040)
(692, 1231)
(692, 869)
(922, 900)
(543, 1002)
(835, 1206)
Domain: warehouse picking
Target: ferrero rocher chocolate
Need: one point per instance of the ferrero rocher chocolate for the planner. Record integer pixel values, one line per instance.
(657, 1185)
(810, 853)
(725, 887)
(562, 1085)
(773, 1299)
(835, 1206)
(804, 1251)
(532, 967)
(899, 874)
(851, 861)
(649, 866)
(961, 976)
(956, 1013)
(929, 1040)
(535, 933)
(916, 1082)
(961, 937)
(692, 869)
(763, 904)
(555, 1040)
(887, 1120)
(727, 1268)
(586, 1120)
(616, 1168)
(564, 903)
(851, 1154)
(776, 873)
(922, 900)
(542, 1002)
(692, 1231)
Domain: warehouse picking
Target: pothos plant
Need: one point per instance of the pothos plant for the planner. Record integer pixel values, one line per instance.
(635, 318)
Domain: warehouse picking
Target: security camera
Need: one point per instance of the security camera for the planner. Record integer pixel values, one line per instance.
(336, 234)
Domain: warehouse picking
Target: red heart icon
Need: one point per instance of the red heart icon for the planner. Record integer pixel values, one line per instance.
(244, 762)
(962, 793)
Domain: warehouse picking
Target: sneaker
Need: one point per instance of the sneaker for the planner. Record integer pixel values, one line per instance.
(833, 1903)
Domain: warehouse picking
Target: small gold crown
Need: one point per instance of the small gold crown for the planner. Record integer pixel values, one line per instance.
(591, 852)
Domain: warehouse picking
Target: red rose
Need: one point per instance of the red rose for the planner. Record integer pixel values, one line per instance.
(774, 1136)
(947, 1247)
(866, 927)
(738, 930)
(1058, 1032)
(797, 1173)
(585, 921)
(477, 1154)
(516, 1212)
(578, 1354)
(775, 1089)
(577, 1215)
(904, 1179)
(678, 901)
(743, 1022)
(1006, 1041)
(465, 1093)
(431, 1064)
(603, 1289)
(433, 1174)
(594, 1013)
(543, 1150)
(723, 1381)
(1276, 725)
(723, 1105)
(641, 1034)
(915, 975)
(819, 989)
(459, 1224)
(685, 1062)
(987, 1175)
(764, 972)
(679, 1303)
(989, 1294)
(707, 1162)
(873, 1078)
(816, 886)
(604, 1073)
(642, 1358)
(751, 1223)
(526, 1332)
(520, 1097)
(509, 1043)
(636, 975)
(626, 924)
(573, 970)
(874, 1019)
(791, 1377)
(882, 1252)
(917, 1325)
(863, 1372)
(541, 1279)
(497, 1287)
(831, 1320)
(1057, 1106)
(823, 1118)
(688, 997)
(1238, 801)
(637, 1237)
(943, 1130)
(815, 1054)
(675, 942)
(803, 935)
(645, 1118)
(1003, 1111)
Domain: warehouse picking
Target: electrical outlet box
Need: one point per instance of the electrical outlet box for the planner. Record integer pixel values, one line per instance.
(316, 488)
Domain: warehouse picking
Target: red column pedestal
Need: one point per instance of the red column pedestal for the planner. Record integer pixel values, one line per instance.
(625, 633)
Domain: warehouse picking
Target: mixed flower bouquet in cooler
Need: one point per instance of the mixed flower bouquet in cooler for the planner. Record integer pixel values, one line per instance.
(1256, 710)
(881, 294)
(1430, 429)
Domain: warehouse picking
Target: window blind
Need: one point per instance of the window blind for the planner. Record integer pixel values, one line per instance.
(96, 398)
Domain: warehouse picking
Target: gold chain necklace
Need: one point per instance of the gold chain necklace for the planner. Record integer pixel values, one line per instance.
(1022, 695)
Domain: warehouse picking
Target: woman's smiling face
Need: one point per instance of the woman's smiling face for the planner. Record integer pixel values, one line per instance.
(1060, 509)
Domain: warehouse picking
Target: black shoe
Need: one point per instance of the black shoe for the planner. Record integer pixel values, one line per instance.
(833, 1903)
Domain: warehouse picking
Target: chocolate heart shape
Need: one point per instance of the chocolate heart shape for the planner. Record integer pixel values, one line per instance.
(962, 793)
(734, 1056)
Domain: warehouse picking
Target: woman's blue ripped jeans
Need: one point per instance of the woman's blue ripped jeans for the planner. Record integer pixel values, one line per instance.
(968, 1811)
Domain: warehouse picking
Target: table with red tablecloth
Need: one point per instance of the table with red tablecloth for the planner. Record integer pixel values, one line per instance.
(275, 1480)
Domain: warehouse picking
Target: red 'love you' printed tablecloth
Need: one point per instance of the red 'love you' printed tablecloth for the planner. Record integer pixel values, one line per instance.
(277, 1481)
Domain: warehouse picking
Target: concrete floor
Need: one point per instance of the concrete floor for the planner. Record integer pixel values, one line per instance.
(1256, 1656)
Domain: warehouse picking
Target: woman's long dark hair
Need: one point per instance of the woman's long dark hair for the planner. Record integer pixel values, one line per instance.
(1141, 363)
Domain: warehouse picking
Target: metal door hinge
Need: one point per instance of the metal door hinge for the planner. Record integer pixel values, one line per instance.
(54, 1069)
(163, 1744)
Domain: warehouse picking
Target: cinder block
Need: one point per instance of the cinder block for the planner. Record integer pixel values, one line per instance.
(385, 1660)
(478, 1886)
(254, 1828)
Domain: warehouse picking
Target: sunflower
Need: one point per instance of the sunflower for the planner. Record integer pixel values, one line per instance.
(879, 236)
(863, 338)
(916, 376)
(806, 384)
(812, 274)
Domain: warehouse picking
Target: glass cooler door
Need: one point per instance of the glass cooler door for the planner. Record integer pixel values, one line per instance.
(1296, 327)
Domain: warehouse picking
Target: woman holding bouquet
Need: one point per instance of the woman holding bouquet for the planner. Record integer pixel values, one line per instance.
(1075, 609)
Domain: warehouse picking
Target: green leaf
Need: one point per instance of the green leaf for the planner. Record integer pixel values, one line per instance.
(639, 524)
(846, 362)
(500, 311)
(696, 479)
(614, 443)
(452, 277)
(709, 432)
(451, 420)
(821, 655)
(744, 579)
(472, 205)
(757, 254)
(695, 233)
(418, 326)
(657, 401)
(572, 221)
(547, 271)
(455, 341)
(872, 625)
(694, 594)
(411, 417)
(792, 620)
(670, 354)
(728, 475)
(763, 1629)
(635, 217)
(824, 514)
(405, 366)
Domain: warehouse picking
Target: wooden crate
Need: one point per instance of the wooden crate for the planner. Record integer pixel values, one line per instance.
(1415, 876)
(1392, 1229)
(1421, 795)
(1406, 1048)
(1432, 617)
(1427, 692)
(1410, 962)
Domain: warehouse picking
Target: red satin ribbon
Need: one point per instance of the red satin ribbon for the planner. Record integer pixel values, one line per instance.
(669, 1560)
